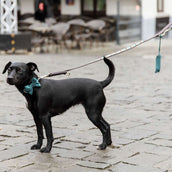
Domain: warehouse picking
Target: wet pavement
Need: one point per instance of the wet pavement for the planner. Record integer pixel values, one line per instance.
(139, 109)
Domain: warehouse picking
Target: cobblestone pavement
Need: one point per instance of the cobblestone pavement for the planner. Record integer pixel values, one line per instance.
(139, 109)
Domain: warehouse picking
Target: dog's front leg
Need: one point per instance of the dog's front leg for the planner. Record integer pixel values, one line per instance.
(46, 120)
(39, 129)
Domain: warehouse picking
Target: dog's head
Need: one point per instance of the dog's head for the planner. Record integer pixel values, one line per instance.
(19, 73)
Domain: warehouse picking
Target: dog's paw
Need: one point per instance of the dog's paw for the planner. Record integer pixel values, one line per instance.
(109, 142)
(45, 149)
(102, 146)
(36, 146)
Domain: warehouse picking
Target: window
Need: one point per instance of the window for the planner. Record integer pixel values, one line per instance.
(93, 8)
(160, 5)
(88, 5)
(100, 5)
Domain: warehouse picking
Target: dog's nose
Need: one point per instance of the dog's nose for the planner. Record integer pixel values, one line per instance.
(10, 81)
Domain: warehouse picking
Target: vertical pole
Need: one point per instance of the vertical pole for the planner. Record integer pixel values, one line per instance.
(117, 22)
(140, 3)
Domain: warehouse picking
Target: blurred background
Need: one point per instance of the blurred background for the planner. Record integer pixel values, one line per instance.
(48, 26)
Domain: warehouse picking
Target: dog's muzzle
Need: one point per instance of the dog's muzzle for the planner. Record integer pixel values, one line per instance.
(10, 81)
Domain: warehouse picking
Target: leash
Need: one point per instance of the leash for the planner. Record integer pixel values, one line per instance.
(160, 34)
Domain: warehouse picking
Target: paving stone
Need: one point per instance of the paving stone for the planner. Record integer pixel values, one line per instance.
(157, 126)
(163, 136)
(13, 152)
(101, 158)
(165, 165)
(158, 150)
(62, 132)
(146, 159)
(3, 147)
(9, 131)
(93, 165)
(74, 154)
(122, 167)
(121, 141)
(161, 142)
(17, 140)
(16, 164)
(75, 168)
(70, 145)
(110, 155)
(26, 123)
(36, 168)
(136, 134)
(83, 138)
(128, 124)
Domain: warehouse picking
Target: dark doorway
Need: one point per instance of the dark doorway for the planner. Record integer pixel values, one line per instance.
(50, 8)
(161, 22)
(43, 9)
(56, 7)
(93, 8)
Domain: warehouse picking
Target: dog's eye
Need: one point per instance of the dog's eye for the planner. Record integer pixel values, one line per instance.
(9, 69)
(18, 70)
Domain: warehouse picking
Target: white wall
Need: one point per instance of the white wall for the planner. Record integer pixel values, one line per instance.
(27, 6)
(149, 8)
(127, 7)
(111, 7)
(168, 7)
(168, 12)
(71, 9)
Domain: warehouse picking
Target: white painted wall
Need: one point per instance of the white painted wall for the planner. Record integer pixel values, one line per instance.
(149, 15)
(127, 7)
(71, 9)
(27, 6)
(149, 8)
(167, 9)
(168, 12)
(111, 7)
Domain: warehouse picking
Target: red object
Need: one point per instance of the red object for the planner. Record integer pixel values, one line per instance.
(41, 6)
(70, 2)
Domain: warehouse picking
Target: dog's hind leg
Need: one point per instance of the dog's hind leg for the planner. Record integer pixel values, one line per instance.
(103, 126)
(108, 137)
(94, 108)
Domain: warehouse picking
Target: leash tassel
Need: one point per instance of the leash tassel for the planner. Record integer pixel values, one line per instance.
(158, 63)
(158, 57)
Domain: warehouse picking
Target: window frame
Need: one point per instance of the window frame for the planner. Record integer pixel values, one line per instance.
(93, 13)
(158, 7)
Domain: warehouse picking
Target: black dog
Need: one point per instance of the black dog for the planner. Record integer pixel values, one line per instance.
(54, 97)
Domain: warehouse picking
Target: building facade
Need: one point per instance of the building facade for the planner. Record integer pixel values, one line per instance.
(155, 15)
(151, 14)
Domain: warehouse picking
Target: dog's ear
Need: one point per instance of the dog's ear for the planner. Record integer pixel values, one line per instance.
(32, 66)
(6, 67)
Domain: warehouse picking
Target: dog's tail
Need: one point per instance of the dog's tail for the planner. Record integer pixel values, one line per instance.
(111, 75)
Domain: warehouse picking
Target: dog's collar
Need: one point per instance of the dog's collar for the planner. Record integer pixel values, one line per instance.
(29, 88)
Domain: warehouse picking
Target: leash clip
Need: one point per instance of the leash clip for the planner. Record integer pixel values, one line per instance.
(67, 74)
(163, 34)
